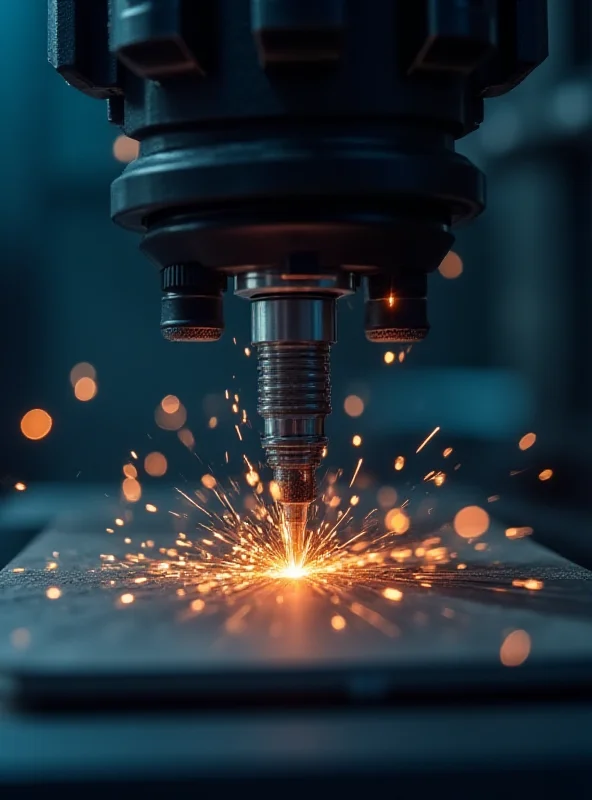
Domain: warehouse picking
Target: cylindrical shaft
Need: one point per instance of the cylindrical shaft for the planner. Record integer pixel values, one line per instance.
(293, 335)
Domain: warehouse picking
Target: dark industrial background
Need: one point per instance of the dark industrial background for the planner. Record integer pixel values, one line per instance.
(510, 342)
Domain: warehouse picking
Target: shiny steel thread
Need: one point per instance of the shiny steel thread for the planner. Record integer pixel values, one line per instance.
(294, 399)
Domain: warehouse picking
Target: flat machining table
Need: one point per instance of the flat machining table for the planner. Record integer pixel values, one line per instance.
(152, 695)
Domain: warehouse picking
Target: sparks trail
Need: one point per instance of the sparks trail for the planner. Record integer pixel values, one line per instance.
(427, 439)
(247, 551)
(251, 551)
(235, 556)
(237, 563)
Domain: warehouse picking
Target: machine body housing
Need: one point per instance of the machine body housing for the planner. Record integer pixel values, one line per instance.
(299, 148)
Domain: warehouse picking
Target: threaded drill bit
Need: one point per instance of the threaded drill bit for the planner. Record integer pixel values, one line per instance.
(294, 399)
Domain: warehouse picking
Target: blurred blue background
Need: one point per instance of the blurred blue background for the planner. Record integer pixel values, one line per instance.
(509, 347)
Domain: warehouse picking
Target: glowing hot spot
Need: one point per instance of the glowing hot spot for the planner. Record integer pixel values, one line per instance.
(293, 572)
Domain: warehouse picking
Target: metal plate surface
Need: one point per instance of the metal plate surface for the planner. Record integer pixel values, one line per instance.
(445, 617)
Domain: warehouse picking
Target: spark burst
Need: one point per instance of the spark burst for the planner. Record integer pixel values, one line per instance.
(233, 553)
(237, 561)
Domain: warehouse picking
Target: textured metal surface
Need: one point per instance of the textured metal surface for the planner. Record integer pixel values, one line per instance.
(191, 306)
(395, 309)
(86, 639)
(78, 47)
(401, 335)
(294, 399)
(292, 331)
(455, 708)
(460, 620)
(174, 333)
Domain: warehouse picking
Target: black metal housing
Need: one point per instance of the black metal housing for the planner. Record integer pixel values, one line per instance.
(274, 127)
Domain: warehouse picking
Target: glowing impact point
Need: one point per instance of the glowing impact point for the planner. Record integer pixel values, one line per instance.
(293, 571)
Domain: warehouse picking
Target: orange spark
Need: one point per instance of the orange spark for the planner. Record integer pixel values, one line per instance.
(427, 439)
(356, 471)
(36, 424)
(527, 441)
(531, 584)
(471, 521)
(85, 389)
(155, 464)
(170, 404)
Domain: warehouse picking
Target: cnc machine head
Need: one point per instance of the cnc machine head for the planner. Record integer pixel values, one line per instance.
(299, 148)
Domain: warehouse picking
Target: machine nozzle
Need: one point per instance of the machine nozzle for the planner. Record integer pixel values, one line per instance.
(293, 336)
(294, 399)
(295, 519)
